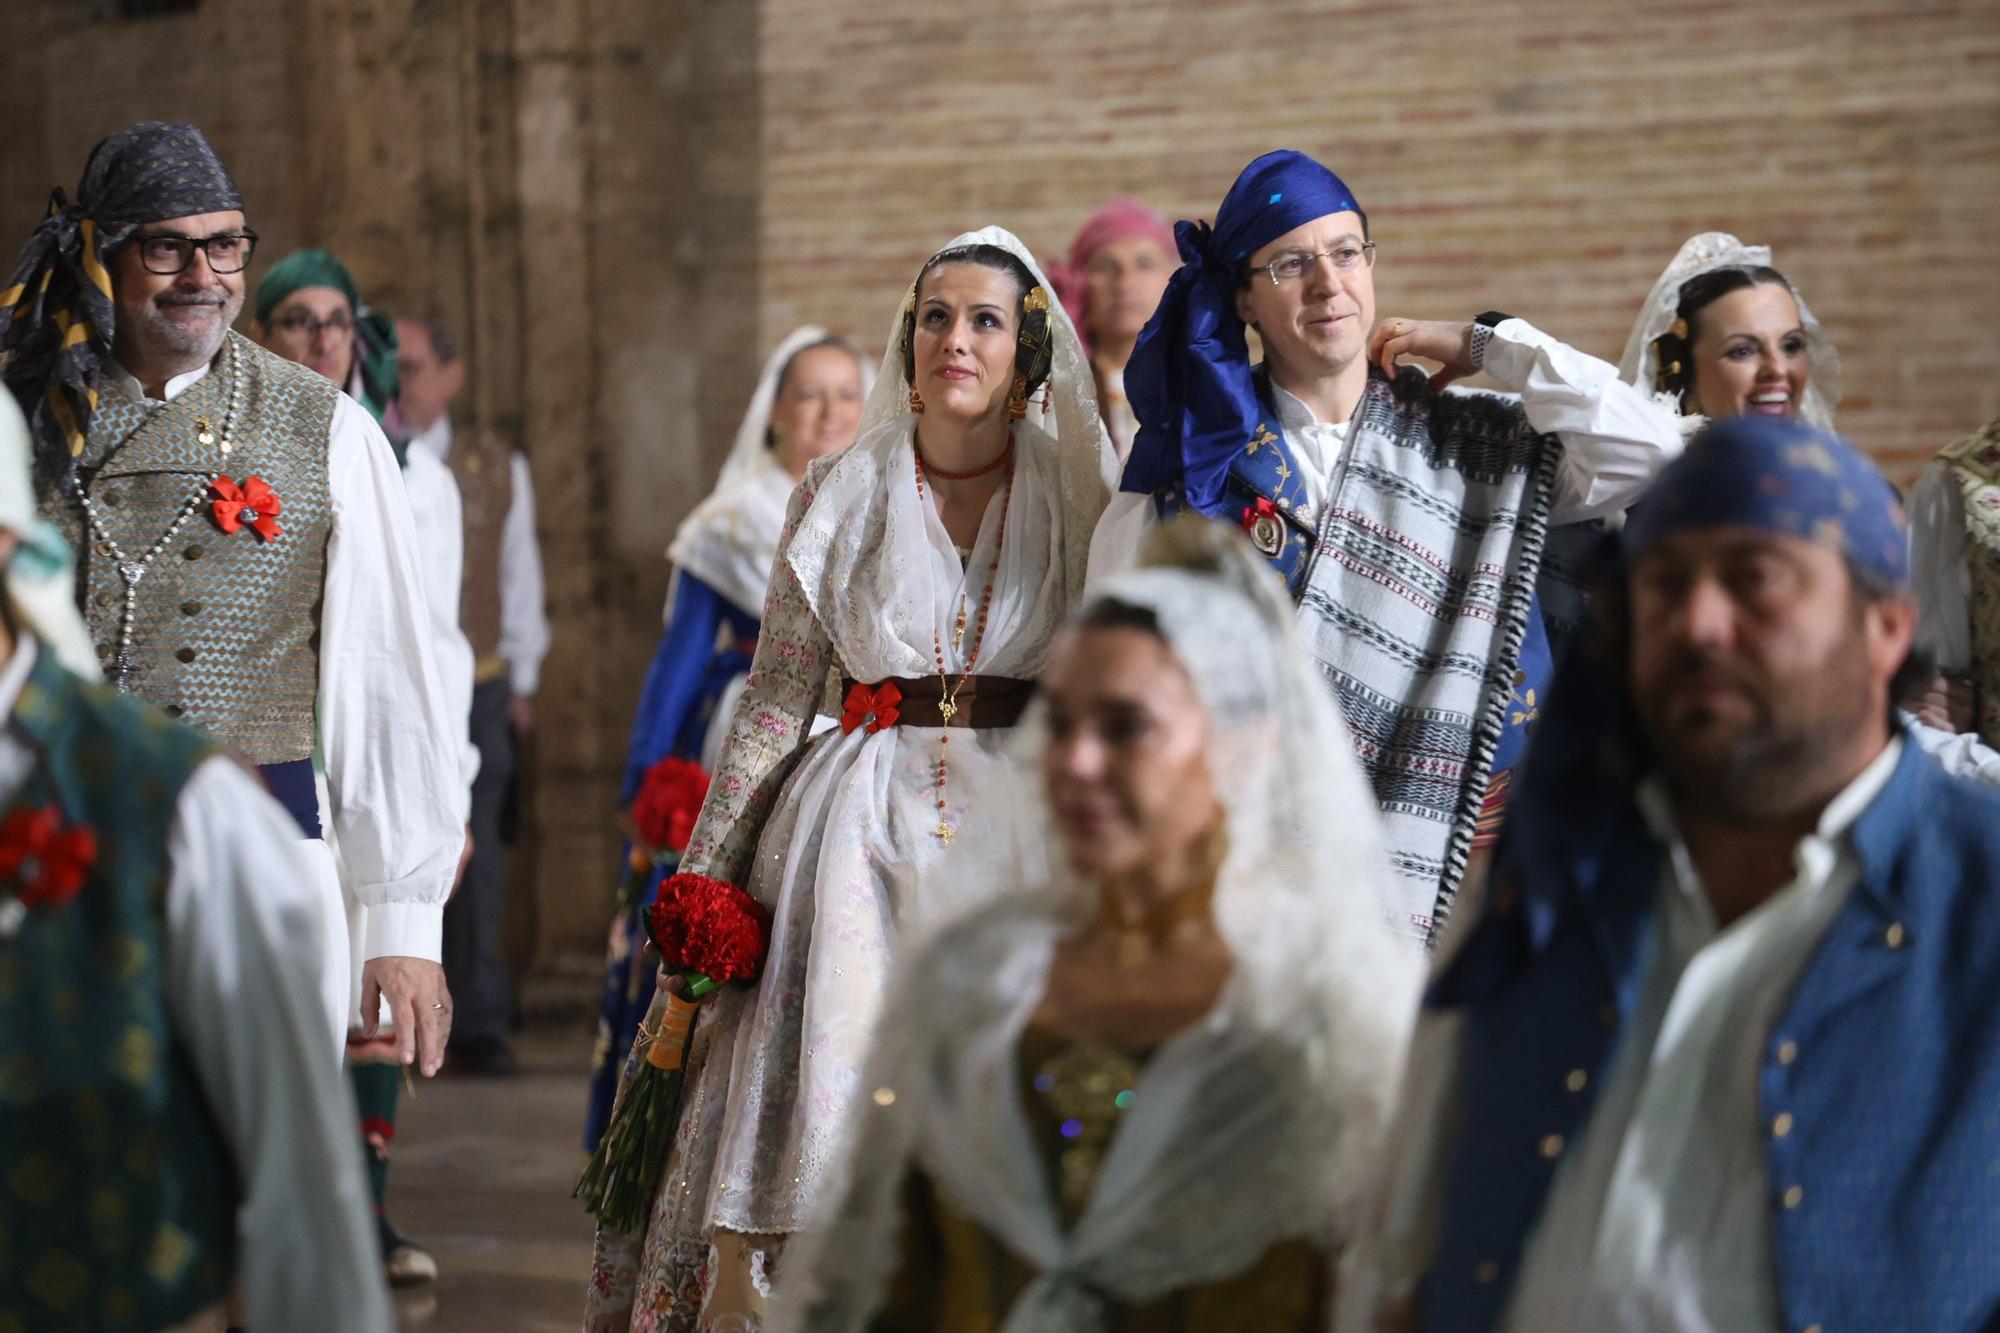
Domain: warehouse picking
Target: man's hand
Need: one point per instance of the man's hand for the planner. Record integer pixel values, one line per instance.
(521, 712)
(1439, 340)
(419, 1006)
(1950, 704)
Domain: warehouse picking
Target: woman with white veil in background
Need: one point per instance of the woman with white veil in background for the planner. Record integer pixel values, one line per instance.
(806, 405)
(926, 571)
(1147, 1094)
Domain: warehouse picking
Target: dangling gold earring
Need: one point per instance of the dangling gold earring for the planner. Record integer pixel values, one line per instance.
(1017, 402)
(916, 402)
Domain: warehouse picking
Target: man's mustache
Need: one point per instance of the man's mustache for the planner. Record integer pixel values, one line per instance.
(165, 299)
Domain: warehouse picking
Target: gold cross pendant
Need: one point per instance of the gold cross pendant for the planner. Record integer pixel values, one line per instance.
(945, 832)
(947, 709)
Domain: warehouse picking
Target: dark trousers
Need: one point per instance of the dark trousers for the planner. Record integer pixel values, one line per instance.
(481, 990)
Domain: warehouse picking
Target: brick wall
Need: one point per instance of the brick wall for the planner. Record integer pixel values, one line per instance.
(621, 206)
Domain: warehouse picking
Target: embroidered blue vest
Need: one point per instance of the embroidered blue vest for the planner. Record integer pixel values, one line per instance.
(1884, 1063)
(119, 1203)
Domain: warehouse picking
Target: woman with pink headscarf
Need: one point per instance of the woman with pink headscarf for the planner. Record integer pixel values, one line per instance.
(1118, 266)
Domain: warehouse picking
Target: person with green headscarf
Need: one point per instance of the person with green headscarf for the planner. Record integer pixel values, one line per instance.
(309, 310)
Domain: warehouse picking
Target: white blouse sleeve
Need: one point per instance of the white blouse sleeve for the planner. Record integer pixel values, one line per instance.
(1615, 437)
(245, 958)
(439, 514)
(1938, 573)
(387, 733)
(524, 619)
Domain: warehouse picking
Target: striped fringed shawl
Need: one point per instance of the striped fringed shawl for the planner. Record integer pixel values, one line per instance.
(1415, 602)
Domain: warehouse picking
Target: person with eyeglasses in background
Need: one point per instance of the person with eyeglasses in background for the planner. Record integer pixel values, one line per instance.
(247, 562)
(1409, 523)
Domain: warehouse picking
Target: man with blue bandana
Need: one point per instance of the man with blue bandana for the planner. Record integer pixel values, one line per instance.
(1721, 1050)
(1409, 523)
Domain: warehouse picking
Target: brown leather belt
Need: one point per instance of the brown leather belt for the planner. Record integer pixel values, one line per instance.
(918, 701)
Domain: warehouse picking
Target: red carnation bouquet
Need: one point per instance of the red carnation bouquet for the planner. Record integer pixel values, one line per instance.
(710, 932)
(663, 819)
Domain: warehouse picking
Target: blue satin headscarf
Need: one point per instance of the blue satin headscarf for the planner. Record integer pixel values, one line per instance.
(1774, 475)
(1189, 379)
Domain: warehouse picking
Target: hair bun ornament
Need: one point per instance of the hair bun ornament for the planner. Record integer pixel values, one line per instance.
(1679, 328)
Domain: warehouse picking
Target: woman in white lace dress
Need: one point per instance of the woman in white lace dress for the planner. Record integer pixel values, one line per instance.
(923, 572)
(1148, 1095)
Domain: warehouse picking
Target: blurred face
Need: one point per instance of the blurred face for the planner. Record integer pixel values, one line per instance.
(967, 322)
(174, 321)
(1125, 279)
(1754, 659)
(1316, 325)
(817, 407)
(1127, 763)
(425, 385)
(314, 326)
(1750, 354)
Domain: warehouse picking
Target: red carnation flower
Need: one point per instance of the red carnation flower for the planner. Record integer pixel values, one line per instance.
(47, 861)
(668, 803)
(709, 928)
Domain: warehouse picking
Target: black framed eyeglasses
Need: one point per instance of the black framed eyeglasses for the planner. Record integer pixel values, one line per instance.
(169, 253)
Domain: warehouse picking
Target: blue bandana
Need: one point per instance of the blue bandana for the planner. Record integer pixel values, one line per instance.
(1189, 378)
(1778, 476)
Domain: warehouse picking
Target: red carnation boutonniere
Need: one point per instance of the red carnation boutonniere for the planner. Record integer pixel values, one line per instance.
(872, 706)
(253, 504)
(43, 862)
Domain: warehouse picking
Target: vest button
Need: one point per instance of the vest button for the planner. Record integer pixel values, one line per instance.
(1894, 935)
(190, 608)
(193, 552)
(104, 599)
(104, 650)
(1551, 1146)
(1577, 1081)
(1486, 1274)
(1794, 1197)
(107, 497)
(173, 710)
(1782, 1125)
(1788, 1051)
(185, 654)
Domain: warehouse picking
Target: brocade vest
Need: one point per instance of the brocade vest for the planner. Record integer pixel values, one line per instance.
(484, 470)
(120, 1206)
(225, 626)
(1974, 464)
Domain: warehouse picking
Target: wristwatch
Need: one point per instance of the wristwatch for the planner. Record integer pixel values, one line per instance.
(1482, 333)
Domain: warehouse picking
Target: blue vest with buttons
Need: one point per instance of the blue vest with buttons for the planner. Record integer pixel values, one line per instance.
(1884, 1195)
(118, 1199)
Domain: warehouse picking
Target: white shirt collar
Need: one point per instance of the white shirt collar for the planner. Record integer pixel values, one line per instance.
(1817, 852)
(176, 386)
(14, 674)
(435, 439)
(1294, 415)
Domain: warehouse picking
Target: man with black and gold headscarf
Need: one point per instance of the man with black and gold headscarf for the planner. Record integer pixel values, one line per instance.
(244, 543)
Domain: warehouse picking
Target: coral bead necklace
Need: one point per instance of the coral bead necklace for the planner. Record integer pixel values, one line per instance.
(949, 692)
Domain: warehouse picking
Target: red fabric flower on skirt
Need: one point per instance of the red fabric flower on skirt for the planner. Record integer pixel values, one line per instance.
(45, 860)
(251, 505)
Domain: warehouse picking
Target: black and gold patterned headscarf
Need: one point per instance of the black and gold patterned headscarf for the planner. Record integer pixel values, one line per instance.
(56, 312)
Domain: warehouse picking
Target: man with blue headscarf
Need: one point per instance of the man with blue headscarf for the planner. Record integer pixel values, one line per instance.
(1409, 523)
(1721, 1051)
(245, 560)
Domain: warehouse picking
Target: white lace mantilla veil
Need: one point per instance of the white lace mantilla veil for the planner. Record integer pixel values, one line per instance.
(730, 540)
(1087, 467)
(1705, 253)
(1259, 1123)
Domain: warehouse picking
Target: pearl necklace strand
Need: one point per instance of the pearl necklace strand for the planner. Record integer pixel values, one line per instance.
(130, 570)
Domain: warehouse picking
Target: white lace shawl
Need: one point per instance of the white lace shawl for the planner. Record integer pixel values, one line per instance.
(1087, 468)
(1258, 1124)
(1706, 253)
(730, 540)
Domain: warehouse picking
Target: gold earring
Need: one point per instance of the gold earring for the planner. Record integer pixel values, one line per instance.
(916, 402)
(1017, 402)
